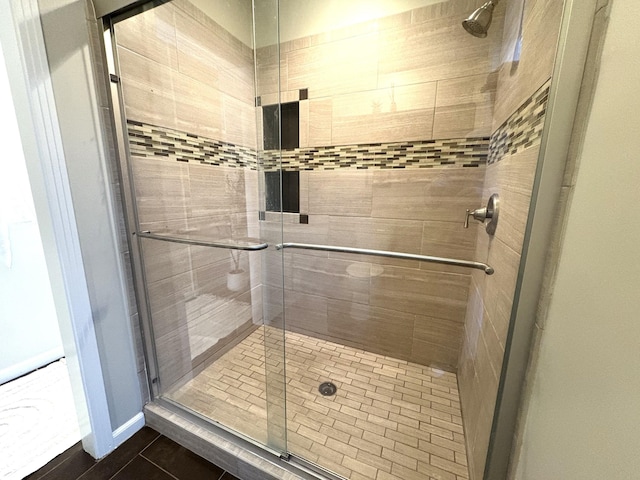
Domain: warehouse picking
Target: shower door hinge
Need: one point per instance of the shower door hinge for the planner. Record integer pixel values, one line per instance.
(114, 78)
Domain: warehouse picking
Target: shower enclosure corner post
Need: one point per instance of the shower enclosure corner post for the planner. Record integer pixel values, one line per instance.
(566, 82)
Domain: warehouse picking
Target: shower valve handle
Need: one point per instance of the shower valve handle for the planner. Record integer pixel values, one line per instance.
(490, 212)
(480, 214)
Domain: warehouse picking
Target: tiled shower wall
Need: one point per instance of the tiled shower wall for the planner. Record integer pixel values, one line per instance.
(401, 191)
(412, 76)
(392, 107)
(188, 86)
(515, 144)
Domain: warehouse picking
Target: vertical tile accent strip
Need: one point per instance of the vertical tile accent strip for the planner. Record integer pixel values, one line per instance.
(522, 129)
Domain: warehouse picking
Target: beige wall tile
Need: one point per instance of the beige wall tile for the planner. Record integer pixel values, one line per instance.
(216, 190)
(148, 89)
(239, 122)
(378, 330)
(316, 231)
(304, 192)
(304, 124)
(518, 80)
(336, 279)
(389, 114)
(443, 332)
(162, 191)
(151, 34)
(436, 50)
(209, 57)
(344, 66)
(198, 107)
(166, 298)
(491, 299)
(425, 194)
(306, 313)
(270, 73)
(334, 192)
(450, 240)
(377, 234)
(320, 126)
(164, 260)
(464, 107)
(421, 292)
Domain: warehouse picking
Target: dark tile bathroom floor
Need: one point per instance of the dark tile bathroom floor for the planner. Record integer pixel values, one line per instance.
(147, 455)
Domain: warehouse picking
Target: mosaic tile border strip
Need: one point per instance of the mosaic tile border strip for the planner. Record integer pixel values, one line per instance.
(459, 152)
(147, 140)
(522, 129)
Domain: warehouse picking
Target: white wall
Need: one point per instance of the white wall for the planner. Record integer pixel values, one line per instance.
(28, 321)
(236, 16)
(583, 416)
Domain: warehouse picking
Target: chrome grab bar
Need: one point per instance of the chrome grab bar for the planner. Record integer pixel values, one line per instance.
(201, 243)
(383, 253)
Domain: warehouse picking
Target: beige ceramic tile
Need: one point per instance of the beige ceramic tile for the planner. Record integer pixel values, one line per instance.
(198, 107)
(518, 80)
(464, 107)
(320, 114)
(378, 330)
(439, 331)
(402, 236)
(337, 279)
(306, 313)
(162, 190)
(421, 292)
(425, 194)
(304, 124)
(344, 66)
(340, 192)
(148, 89)
(435, 50)
(151, 34)
(239, 122)
(207, 57)
(449, 240)
(389, 114)
(361, 432)
(164, 259)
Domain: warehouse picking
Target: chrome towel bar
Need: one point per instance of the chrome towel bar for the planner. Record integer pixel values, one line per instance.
(201, 243)
(383, 253)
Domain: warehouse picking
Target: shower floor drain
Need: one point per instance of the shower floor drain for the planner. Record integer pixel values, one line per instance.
(327, 389)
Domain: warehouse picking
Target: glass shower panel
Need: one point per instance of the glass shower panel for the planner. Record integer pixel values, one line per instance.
(268, 172)
(188, 91)
(393, 141)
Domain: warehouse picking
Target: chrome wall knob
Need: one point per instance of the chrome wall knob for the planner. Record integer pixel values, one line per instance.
(490, 212)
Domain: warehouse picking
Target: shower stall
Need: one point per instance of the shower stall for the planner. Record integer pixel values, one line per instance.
(297, 178)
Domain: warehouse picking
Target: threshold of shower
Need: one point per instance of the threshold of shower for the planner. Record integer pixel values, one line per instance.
(236, 455)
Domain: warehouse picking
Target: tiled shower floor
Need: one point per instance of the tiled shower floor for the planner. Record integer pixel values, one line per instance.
(389, 419)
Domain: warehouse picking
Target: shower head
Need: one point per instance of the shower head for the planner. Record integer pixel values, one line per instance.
(477, 24)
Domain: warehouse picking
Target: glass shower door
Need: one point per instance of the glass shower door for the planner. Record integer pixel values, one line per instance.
(383, 150)
(212, 283)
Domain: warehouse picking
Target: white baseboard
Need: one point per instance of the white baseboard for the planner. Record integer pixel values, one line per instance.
(126, 431)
